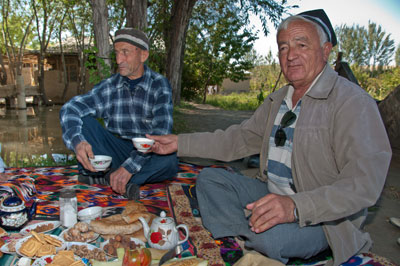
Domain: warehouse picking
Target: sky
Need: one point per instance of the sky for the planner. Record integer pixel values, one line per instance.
(385, 13)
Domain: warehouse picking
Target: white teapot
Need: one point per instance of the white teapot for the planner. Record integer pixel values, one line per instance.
(163, 234)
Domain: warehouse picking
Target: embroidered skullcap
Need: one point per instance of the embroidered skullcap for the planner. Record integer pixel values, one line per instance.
(132, 36)
(319, 16)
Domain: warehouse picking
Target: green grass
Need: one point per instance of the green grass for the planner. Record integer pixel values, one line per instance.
(235, 101)
(33, 160)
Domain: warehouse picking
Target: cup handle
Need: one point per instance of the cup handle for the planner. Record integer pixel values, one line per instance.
(185, 228)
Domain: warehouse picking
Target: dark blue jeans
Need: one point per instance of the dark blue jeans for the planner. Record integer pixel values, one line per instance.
(158, 168)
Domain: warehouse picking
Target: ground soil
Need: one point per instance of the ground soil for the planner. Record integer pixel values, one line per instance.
(385, 235)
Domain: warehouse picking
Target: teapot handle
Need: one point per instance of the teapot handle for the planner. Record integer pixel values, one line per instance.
(185, 228)
(32, 210)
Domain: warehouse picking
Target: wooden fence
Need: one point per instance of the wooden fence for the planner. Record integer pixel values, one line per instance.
(10, 94)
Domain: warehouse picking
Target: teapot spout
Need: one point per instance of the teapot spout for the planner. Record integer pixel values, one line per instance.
(146, 227)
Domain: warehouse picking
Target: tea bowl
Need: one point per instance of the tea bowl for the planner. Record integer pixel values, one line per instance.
(101, 162)
(142, 144)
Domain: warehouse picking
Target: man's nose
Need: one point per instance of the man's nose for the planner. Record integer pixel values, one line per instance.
(119, 59)
(292, 53)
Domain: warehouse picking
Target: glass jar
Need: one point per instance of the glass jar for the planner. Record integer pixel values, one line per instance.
(68, 208)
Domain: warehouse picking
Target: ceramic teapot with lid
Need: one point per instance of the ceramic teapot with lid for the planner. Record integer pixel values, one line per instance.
(163, 233)
(14, 214)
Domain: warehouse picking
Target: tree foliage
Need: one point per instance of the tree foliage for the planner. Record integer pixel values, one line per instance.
(371, 47)
(217, 44)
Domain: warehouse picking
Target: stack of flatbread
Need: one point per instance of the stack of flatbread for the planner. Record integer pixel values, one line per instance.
(126, 223)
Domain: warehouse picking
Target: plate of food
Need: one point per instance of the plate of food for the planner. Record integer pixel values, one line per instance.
(120, 241)
(8, 248)
(63, 257)
(41, 227)
(87, 251)
(39, 244)
(74, 235)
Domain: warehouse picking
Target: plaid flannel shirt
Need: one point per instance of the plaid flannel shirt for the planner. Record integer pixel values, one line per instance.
(127, 113)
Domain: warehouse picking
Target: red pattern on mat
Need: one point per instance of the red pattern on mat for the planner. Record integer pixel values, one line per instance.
(200, 237)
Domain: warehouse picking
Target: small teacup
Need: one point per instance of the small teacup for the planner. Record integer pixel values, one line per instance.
(142, 144)
(101, 162)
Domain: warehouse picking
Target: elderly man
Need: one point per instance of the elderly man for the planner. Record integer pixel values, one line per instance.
(324, 156)
(134, 102)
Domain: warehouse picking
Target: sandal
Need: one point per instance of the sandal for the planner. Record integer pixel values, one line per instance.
(395, 221)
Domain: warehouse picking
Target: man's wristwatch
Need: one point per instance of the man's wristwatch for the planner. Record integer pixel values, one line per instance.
(296, 215)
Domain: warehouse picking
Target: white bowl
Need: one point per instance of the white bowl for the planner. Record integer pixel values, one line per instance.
(101, 162)
(91, 213)
(142, 144)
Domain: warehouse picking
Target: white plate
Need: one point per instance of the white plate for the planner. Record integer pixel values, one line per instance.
(47, 260)
(96, 235)
(22, 240)
(136, 240)
(89, 246)
(5, 249)
(27, 229)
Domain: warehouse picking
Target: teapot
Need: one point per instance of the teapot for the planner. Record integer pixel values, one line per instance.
(163, 234)
(14, 214)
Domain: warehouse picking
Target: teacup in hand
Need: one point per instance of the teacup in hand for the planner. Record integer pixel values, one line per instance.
(101, 162)
(142, 144)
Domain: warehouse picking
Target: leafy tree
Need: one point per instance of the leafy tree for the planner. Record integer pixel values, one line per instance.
(353, 44)
(266, 76)
(370, 47)
(15, 33)
(380, 46)
(218, 43)
(397, 56)
(47, 14)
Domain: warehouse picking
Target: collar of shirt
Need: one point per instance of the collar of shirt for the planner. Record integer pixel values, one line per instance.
(288, 97)
(144, 81)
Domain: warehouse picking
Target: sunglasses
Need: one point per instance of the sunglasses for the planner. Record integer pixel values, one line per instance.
(287, 120)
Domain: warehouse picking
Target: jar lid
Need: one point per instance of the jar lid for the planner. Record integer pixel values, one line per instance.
(12, 204)
(67, 193)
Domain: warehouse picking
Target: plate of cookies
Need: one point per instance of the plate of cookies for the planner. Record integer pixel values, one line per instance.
(80, 232)
(38, 245)
(63, 257)
(41, 227)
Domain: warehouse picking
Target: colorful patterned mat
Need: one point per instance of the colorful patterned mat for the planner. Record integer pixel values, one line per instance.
(180, 202)
(49, 181)
(226, 251)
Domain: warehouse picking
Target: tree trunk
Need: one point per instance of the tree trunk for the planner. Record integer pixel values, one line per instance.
(3, 72)
(41, 79)
(21, 101)
(101, 33)
(65, 76)
(136, 14)
(180, 17)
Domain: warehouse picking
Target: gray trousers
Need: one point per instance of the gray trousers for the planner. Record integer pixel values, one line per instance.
(222, 198)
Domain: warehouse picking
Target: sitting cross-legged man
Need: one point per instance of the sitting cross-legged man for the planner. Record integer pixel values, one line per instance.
(134, 102)
(324, 156)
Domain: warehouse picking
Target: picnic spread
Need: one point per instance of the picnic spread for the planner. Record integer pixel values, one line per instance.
(166, 216)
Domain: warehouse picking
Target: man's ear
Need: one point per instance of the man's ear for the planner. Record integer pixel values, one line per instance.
(144, 55)
(327, 48)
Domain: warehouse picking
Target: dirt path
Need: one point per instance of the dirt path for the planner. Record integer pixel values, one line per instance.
(208, 118)
(205, 118)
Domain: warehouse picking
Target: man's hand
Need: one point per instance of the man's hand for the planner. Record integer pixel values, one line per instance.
(164, 144)
(269, 211)
(119, 179)
(83, 152)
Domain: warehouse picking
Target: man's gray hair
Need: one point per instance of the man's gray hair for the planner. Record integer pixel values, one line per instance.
(323, 38)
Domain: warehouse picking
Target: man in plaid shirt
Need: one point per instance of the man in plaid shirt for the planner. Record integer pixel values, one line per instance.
(134, 102)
